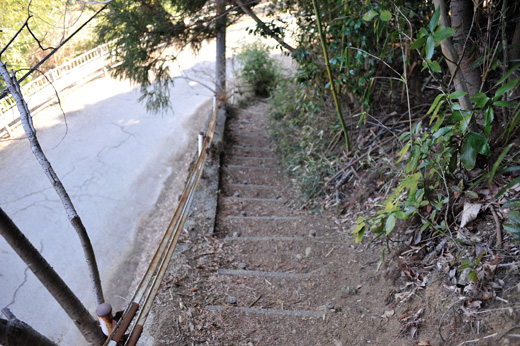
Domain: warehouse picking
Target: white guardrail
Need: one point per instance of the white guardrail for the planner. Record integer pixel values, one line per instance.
(39, 93)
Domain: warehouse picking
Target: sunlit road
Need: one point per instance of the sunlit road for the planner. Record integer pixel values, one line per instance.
(113, 157)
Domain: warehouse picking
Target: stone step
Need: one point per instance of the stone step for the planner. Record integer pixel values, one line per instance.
(231, 206)
(251, 175)
(301, 254)
(250, 190)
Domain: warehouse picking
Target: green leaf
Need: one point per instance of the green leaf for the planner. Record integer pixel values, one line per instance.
(489, 116)
(465, 263)
(480, 100)
(359, 236)
(452, 166)
(389, 224)
(434, 66)
(472, 276)
(419, 43)
(479, 258)
(411, 182)
(508, 73)
(475, 144)
(385, 16)
(507, 87)
(457, 94)
(412, 163)
(436, 102)
(513, 203)
(369, 15)
(435, 20)
(403, 152)
(429, 48)
(498, 162)
(401, 215)
(506, 104)
(513, 229)
(479, 143)
(514, 216)
(442, 131)
(471, 194)
(443, 33)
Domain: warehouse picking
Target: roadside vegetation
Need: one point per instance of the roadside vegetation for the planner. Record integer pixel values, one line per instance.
(429, 94)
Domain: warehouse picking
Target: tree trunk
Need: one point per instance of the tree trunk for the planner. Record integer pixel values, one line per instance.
(73, 216)
(221, 50)
(452, 57)
(50, 280)
(461, 12)
(14, 332)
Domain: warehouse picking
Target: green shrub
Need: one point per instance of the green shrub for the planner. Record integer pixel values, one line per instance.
(258, 69)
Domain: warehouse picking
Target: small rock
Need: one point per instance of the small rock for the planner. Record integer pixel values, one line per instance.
(244, 182)
(312, 233)
(294, 332)
(236, 194)
(299, 257)
(236, 234)
(242, 266)
(243, 213)
(308, 252)
(330, 305)
(232, 300)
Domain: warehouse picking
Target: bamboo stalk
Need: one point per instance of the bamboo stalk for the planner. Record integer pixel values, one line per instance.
(331, 80)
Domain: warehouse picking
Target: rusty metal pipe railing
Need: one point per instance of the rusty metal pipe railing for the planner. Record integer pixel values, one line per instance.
(148, 287)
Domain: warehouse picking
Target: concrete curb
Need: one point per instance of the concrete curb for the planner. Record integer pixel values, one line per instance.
(204, 206)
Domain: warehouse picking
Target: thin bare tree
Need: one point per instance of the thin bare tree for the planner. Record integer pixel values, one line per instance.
(75, 220)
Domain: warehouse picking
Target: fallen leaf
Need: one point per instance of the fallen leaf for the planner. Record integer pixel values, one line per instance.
(423, 343)
(469, 213)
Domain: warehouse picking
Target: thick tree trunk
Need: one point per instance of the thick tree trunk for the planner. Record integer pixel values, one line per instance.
(221, 50)
(461, 12)
(452, 57)
(73, 216)
(14, 332)
(51, 280)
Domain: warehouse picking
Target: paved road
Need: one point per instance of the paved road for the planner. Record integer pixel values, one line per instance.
(113, 157)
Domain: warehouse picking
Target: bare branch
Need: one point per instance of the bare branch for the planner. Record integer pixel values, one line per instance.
(271, 33)
(72, 214)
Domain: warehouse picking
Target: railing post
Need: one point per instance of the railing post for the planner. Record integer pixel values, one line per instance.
(106, 322)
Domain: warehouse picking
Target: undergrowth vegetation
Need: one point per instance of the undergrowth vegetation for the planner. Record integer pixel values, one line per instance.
(432, 111)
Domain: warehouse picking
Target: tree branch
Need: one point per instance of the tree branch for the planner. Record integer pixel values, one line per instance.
(271, 33)
(15, 332)
(50, 280)
(73, 216)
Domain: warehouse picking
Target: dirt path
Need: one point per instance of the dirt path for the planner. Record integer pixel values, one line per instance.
(272, 274)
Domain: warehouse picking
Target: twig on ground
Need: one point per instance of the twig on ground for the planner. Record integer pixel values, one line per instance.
(507, 331)
(256, 301)
(461, 300)
(498, 227)
(477, 340)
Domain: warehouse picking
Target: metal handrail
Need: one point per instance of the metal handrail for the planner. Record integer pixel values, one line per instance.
(148, 287)
(63, 70)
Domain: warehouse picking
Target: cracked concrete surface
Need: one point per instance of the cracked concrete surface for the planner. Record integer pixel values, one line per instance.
(113, 158)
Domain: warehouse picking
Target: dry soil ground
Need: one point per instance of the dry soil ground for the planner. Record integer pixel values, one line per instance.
(273, 274)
